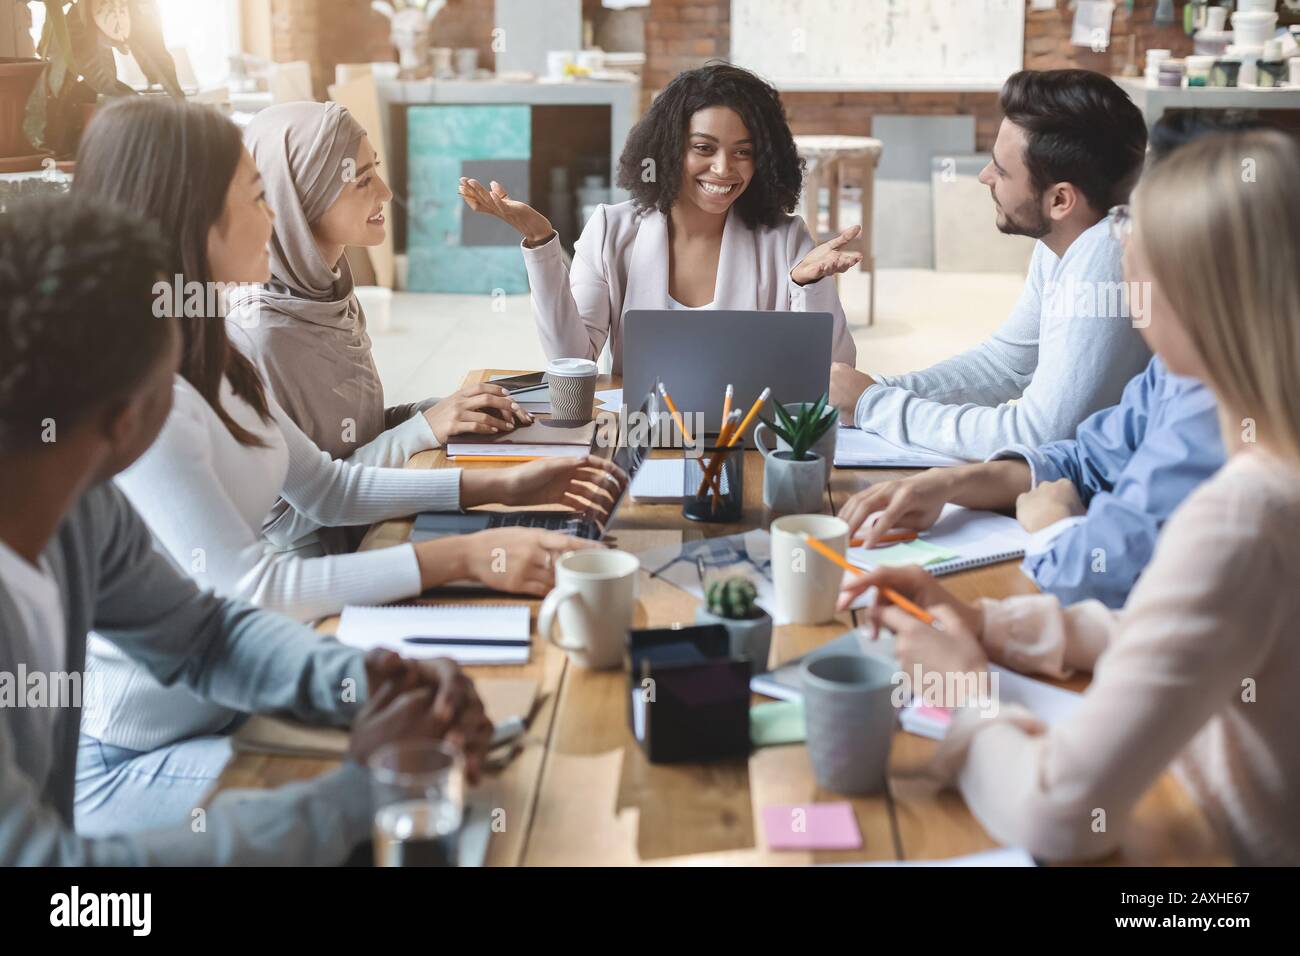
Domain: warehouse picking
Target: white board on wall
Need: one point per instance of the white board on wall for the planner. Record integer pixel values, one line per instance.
(879, 44)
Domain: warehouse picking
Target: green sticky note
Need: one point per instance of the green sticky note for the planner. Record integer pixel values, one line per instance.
(780, 722)
(909, 552)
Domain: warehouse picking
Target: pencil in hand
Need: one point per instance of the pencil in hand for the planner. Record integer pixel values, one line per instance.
(918, 612)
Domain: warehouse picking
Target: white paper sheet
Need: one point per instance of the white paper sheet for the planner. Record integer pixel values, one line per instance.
(490, 627)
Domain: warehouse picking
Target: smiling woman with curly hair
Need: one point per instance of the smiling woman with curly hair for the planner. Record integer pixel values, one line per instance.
(714, 141)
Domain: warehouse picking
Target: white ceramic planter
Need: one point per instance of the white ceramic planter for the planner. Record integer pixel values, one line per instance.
(824, 446)
(792, 487)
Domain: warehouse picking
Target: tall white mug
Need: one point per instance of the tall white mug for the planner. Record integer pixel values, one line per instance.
(807, 585)
(594, 598)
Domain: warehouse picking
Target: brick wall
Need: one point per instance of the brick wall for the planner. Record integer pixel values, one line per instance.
(329, 32)
(682, 34)
(1048, 47)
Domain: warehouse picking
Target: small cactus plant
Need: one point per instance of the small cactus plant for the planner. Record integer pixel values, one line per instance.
(733, 599)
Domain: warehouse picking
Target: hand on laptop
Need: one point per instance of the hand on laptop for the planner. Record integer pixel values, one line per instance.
(527, 221)
(847, 386)
(480, 409)
(828, 259)
(589, 485)
(913, 503)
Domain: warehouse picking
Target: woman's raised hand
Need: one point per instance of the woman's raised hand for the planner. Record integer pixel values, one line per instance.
(828, 259)
(527, 221)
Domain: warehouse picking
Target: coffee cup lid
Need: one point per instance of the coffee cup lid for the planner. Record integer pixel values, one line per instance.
(571, 367)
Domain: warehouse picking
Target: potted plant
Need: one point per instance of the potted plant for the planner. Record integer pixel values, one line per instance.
(794, 477)
(76, 48)
(731, 602)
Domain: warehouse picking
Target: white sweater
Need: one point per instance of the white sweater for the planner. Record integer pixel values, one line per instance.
(205, 497)
(1199, 669)
(1067, 350)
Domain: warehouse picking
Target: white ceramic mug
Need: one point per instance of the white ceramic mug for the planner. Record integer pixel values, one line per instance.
(807, 584)
(595, 598)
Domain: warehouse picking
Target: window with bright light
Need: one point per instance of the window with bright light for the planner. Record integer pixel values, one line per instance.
(204, 34)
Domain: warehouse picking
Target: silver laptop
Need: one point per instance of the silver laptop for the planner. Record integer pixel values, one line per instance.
(697, 353)
(628, 456)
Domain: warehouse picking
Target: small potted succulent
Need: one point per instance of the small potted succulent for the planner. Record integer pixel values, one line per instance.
(795, 473)
(732, 603)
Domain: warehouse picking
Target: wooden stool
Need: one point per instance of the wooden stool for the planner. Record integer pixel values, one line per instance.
(827, 157)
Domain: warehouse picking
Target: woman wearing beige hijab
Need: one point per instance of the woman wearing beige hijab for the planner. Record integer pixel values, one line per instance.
(305, 329)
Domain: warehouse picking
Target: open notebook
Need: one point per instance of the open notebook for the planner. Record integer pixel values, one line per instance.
(468, 633)
(855, 448)
(662, 481)
(960, 540)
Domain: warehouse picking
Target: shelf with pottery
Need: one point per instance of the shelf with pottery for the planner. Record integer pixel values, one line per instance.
(1153, 100)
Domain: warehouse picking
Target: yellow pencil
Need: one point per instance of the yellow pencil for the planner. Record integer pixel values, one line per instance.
(750, 416)
(672, 410)
(719, 456)
(920, 613)
(726, 409)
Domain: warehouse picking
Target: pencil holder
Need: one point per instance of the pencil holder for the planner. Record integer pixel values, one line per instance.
(688, 698)
(722, 500)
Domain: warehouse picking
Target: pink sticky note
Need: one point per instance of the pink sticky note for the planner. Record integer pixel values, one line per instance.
(811, 826)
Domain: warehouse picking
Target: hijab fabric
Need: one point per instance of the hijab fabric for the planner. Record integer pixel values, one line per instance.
(305, 329)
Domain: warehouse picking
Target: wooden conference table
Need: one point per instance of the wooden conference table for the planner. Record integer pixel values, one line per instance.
(581, 792)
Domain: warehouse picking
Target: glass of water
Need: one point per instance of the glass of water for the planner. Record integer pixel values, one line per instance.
(419, 794)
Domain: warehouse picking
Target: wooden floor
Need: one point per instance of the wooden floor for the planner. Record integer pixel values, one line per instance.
(582, 793)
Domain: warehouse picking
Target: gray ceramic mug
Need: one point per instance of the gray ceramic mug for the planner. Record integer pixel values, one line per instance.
(850, 718)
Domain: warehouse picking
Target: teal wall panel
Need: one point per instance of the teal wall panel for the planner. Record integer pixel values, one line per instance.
(439, 140)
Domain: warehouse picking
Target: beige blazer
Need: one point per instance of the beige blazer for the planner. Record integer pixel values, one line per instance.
(621, 262)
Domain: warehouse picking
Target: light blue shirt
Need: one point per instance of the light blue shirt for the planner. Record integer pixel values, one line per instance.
(1132, 464)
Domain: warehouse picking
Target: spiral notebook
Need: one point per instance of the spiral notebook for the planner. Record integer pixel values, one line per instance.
(960, 540)
(467, 633)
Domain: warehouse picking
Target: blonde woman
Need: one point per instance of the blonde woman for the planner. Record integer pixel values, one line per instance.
(1201, 667)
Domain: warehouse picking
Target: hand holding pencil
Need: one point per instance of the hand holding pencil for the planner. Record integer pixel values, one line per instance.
(907, 593)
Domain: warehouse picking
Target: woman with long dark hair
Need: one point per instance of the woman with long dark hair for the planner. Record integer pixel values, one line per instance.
(714, 177)
(228, 452)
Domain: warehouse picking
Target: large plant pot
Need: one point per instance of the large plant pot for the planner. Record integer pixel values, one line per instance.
(18, 78)
(792, 487)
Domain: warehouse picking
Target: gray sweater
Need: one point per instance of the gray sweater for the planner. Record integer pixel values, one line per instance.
(113, 581)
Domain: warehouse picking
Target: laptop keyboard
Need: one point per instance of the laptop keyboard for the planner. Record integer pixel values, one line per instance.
(579, 527)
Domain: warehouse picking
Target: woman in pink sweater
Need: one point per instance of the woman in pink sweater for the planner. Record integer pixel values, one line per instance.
(1201, 669)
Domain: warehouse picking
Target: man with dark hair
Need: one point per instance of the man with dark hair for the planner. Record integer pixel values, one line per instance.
(86, 377)
(1070, 146)
(1095, 502)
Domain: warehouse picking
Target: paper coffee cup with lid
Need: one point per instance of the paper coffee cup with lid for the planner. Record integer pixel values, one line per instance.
(572, 384)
